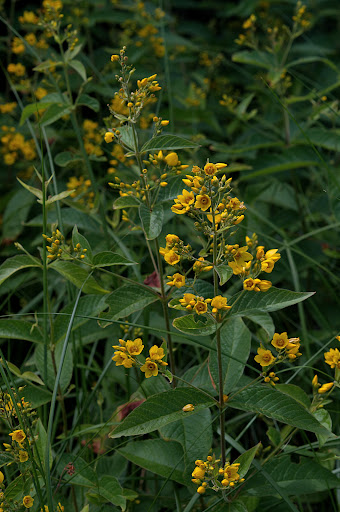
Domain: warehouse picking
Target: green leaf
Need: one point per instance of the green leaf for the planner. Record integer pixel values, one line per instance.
(128, 299)
(84, 475)
(272, 403)
(41, 443)
(79, 68)
(88, 101)
(161, 409)
(29, 376)
(127, 135)
(70, 54)
(304, 478)
(295, 392)
(199, 327)
(165, 458)
(77, 238)
(245, 459)
(250, 302)
(327, 139)
(109, 259)
(194, 433)
(36, 396)
(152, 222)
(111, 490)
(47, 64)
(16, 263)
(199, 377)
(125, 202)
(53, 113)
(323, 416)
(67, 371)
(77, 275)
(235, 341)
(35, 191)
(57, 197)
(224, 272)
(255, 58)
(15, 489)
(32, 109)
(264, 320)
(66, 157)
(20, 330)
(16, 213)
(169, 142)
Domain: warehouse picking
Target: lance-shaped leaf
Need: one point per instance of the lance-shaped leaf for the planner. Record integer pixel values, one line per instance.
(272, 403)
(152, 222)
(161, 409)
(295, 479)
(169, 142)
(235, 343)
(20, 330)
(110, 259)
(249, 302)
(126, 202)
(128, 299)
(77, 275)
(200, 327)
(224, 273)
(165, 458)
(245, 460)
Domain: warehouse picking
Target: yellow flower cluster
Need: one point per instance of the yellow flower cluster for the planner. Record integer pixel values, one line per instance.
(174, 249)
(7, 108)
(219, 478)
(82, 190)
(17, 70)
(332, 357)
(287, 348)
(15, 147)
(59, 248)
(192, 302)
(125, 355)
(171, 159)
(92, 138)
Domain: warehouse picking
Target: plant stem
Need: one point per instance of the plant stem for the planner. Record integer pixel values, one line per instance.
(219, 353)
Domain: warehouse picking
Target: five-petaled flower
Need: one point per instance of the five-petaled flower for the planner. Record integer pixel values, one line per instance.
(18, 435)
(280, 341)
(28, 501)
(264, 357)
(150, 368)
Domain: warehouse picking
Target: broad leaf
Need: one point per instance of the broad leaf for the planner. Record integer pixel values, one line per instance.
(224, 273)
(28, 376)
(245, 460)
(110, 259)
(126, 202)
(295, 392)
(264, 320)
(110, 489)
(41, 443)
(128, 299)
(77, 275)
(255, 58)
(161, 457)
(325, 419)
(295, 479)
(235, 342)
(194, 433)
(152, 222)
(67, 371)
(272, 403)
(88, 101)
(199, 327)
(66, 157)
(15, 489)
(20, 330)
(54, 112)
(78, 67)
(84, 474)
(170, 142)
(77, 238)
(32, 109)
(250, 302)
(161, 409)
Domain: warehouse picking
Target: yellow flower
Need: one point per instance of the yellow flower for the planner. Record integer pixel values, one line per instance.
(198, 473)
(267, 266)
(171, 239)
(172, 159)
(187, 299)
(280, 341)
(333, 358)
(241, 256)
(203, 202)
(264, 357)
(156, 353)
(219, 302)
(109, 137)
(201, 489)
(237, 269)
(135, 347)
(28, 501)
(1, 477)
(17, 45)
(264, 285)
(325, 387)
(186, 198)
(18, 435)
(122, 359)
(231, 472)
(40, 93)
(272, 254)
(200, 307)
(150, 368)
(23, 456)
(176, 280)
(188, 408)
(171, 257)
(210, 169)
(251, 284)
(114, 58)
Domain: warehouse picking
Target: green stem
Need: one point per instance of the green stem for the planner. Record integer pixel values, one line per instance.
(219, 353)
